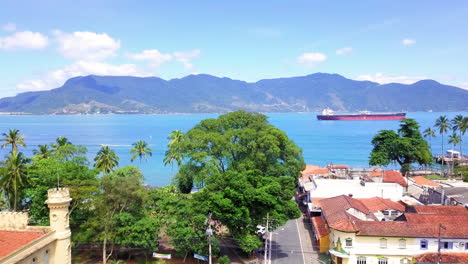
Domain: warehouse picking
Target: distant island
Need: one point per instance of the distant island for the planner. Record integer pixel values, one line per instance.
(204, 93)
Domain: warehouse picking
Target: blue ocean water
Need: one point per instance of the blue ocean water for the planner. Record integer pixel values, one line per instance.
(323, 142)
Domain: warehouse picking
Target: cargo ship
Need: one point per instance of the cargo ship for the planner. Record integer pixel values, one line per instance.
(328, 114)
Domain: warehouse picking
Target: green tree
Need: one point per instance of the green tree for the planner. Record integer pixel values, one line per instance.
(119, 211)
(405, 147)
(224, 260)
(14, 177)
(50, 173)
(140, 149)
(454, 139)
(64, 150)
(429, 133)
(13, 138)
(174, 151)
(459, 125)
(239, 141)
(106, 160)
(442, 123)
(42, 152)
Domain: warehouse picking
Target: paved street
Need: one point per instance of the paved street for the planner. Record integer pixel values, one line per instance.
(291, 244)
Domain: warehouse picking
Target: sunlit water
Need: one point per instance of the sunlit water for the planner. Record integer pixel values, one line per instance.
(323, 142)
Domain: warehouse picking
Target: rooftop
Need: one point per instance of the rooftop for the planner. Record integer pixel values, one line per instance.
(394, 176)
(432, 257)
(422, 181)
(10, 241)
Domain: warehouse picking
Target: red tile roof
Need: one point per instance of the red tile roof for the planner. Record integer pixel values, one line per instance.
(10, 241)
(420, 180)
(394, 176)
(432, 257)
(338, 166)
(376, 204)
(320, 171)
(376, 173)
(334, 210)
(441, 209)
(309, 168)
(407, 229)
(320, 228)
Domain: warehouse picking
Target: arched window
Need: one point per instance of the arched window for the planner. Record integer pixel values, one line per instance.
(383, 261)
(383, 243)
(402, 243)
(349, 242)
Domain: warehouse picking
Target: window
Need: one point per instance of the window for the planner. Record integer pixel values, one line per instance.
(402, 243)
(383, 261)
(46, 257)
(34, 261)
(423, 244)
(466, 245)
(405, 261)
(361, 260)
(349, 242)
(446, 245)
(383, 243)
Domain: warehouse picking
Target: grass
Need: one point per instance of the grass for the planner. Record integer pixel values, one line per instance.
(434, 177)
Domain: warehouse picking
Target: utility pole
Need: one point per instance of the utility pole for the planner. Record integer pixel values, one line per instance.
(269, 249)
(266, 241)
(209, 232)
(439, 256)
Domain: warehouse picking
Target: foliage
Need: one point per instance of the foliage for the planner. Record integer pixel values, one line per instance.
(463, 172)
(106, 160)
(249, 243)
(405, 147)
(63, 149)
(14, 177)
(42, 152)
(49, 173)
(174, 152)
(140, 149)
(120, 211)
(224, 260)
(13, 138)
(238, 141)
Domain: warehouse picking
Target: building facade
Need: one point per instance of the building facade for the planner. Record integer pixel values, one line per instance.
(24, 244)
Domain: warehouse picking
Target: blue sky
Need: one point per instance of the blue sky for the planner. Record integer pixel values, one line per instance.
(43, 43)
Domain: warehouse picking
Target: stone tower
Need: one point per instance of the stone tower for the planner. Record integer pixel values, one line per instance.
(58, 202)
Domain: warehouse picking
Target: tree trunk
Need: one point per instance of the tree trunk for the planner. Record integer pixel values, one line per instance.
(104, 253)
(443, 156)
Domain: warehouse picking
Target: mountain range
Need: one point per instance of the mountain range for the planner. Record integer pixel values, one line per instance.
(204, 93)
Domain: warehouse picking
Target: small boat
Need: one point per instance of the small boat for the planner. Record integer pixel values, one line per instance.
(328, 114)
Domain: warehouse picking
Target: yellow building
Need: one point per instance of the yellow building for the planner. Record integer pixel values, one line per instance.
(20, 243)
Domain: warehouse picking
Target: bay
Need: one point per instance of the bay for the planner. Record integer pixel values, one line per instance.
(323, 142)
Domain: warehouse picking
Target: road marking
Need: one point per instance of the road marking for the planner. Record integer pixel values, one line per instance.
(300, 241)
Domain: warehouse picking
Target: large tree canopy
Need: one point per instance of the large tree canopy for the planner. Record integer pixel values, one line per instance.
(405, 147)
(238, 141)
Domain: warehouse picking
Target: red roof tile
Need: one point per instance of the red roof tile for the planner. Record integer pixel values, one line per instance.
(441, 209)
(309, 168)
(376, 204)
(10, 241)
(432, 257)
(338, 166)
(320, 228)
(420, 180)
(394, 176)
(320, 171)
(376, 173)
(334, 210)
(407, 229)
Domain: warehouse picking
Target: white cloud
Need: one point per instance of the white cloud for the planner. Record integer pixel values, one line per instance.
(408, 42)
(154, 57)
(382, 78)
(311, 59)
(56, 78)
(24, 40)
(86, 45)
(10, 27)
(343, 50)
(185, 57)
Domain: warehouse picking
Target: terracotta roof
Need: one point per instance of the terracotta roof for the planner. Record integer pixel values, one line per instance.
(432, 257)
(434, 219)
(376, 204)
(407, 229)
(309, 168)
(10, 241)
(320, 171)
(334, 210)
(338, 166)
(376, 173)
(320, 228)
(316, 201)
(420, 180)
(394, 176)
(441, 210)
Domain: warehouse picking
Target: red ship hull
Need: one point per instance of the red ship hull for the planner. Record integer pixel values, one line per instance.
(390, 116)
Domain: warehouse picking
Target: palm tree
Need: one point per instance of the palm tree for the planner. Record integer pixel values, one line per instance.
(42, 152)
(429, 133)
(13, 138)
(454, 139)
(140, 149)
(173, 153)
(106, 160)
(442, 124)
(14, 176)
(457, 125)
